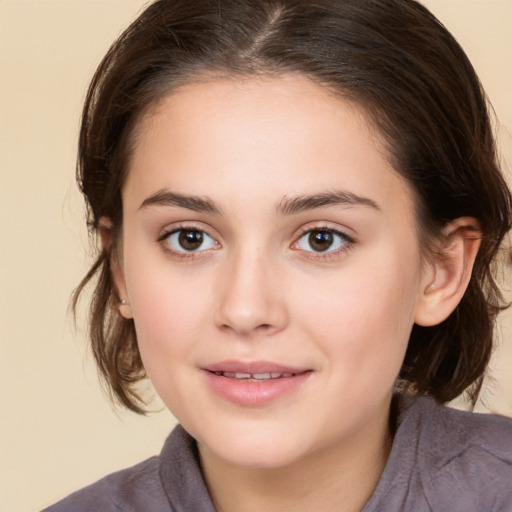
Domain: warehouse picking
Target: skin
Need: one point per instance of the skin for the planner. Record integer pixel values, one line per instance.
(258, 290)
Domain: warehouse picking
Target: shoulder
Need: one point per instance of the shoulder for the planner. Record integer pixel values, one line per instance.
(124, 490)
(453, 433)
(466, 453)
(167, 483)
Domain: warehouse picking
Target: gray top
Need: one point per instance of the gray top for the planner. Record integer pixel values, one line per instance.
(442, 460)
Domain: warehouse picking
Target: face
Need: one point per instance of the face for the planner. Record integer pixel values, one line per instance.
(270, 258)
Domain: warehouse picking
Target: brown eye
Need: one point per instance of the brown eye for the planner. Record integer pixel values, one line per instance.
(190, 240)
(320, 240)
(323, 240)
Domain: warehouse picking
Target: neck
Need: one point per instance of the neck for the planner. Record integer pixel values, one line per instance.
(339, 478)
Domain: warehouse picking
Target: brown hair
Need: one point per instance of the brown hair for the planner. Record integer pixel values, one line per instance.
(392, 57)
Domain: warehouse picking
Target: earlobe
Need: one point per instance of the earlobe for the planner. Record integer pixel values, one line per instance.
(112, 253)
(125, 310)
(449, 272)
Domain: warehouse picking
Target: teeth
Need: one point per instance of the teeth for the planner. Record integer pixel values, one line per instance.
(254, 376)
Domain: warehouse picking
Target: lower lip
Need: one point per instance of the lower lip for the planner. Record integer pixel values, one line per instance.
(250, 393)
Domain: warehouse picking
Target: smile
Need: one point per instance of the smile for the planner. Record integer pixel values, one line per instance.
(254, 384)
(255, 377)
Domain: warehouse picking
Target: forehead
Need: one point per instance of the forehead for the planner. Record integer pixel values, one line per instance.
(284, 136)
(283, 109)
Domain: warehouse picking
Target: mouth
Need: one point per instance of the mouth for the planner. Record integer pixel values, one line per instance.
(254, 383)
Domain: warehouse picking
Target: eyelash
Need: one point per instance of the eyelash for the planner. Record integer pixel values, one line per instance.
(183, 255)
(313, 255)
(328, 255)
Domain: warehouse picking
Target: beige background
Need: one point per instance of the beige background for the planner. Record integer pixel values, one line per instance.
(57, 431)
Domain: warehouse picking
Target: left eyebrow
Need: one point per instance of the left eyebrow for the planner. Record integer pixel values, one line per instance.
(290, 206)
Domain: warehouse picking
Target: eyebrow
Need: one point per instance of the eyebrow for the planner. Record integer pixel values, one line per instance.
(167, 198)
(290, 206)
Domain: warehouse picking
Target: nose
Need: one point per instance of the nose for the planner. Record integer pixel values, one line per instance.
(251, 297)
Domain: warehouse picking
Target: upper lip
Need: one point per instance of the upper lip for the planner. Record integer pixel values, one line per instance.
(252, 367)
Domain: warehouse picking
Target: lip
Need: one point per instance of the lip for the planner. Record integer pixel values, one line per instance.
(248, 392)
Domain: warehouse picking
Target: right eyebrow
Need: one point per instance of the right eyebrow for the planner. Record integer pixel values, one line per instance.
(167, 198)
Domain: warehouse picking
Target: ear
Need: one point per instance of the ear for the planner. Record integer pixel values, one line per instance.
(448, 271)
(116, 270)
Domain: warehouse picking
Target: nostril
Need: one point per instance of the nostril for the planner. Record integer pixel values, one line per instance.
(264, 327)
(241, 331)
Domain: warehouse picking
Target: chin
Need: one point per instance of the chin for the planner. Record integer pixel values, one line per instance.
(256, 448)
(269, 458)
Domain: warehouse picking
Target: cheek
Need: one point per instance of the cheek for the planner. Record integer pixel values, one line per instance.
(364, 315)
(168, 323)
(169, 312)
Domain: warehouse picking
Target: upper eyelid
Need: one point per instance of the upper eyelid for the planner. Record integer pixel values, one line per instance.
(327, 227)
(348, 239)
(183, 226)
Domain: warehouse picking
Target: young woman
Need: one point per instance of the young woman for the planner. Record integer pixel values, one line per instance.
(299, 207)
